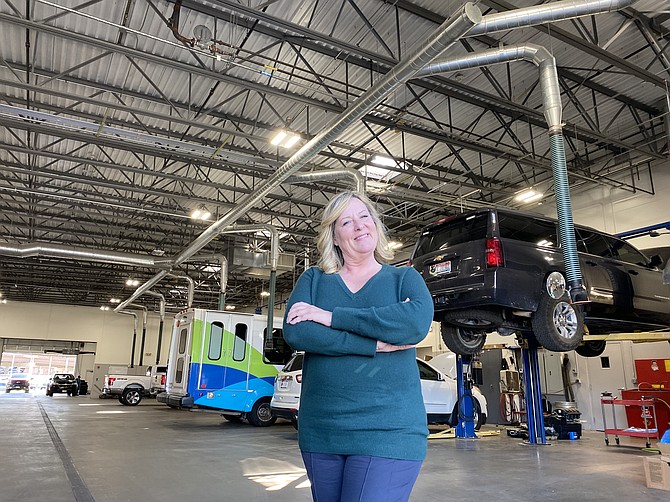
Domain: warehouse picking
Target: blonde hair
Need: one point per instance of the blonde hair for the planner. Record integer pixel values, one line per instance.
(331, 259)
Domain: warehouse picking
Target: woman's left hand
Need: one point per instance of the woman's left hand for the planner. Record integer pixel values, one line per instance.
(302, 311)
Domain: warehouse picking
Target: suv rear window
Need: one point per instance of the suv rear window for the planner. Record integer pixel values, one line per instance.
(294, 364)
(452, 232)
(520, 228)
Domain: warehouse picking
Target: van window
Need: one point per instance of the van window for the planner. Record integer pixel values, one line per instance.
(179, 373)
(451, 232)
(240, 342)
(525, 229)
(183, 336)
(215, 341)
(275, 348)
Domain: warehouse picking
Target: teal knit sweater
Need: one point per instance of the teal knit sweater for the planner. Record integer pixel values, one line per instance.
(355, 400)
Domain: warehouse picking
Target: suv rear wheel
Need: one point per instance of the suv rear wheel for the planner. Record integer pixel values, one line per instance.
(557, 324)
(463, 341)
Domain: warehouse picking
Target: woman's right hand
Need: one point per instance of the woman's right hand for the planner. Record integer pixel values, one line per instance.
(387, 347)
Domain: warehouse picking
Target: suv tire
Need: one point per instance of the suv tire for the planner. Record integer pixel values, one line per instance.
(463, 341)
(591, 348)
(558, 325)
(474, 318)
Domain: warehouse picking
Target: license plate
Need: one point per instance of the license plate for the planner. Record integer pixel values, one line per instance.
(283, 384)
(440, 268)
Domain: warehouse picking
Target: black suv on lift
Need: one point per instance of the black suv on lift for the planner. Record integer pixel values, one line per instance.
(500, 270)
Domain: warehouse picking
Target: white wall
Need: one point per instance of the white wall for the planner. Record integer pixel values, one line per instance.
(614, 210)
(112, 332)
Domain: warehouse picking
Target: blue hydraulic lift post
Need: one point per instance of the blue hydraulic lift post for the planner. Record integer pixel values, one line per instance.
(533, 395)
(465, 427)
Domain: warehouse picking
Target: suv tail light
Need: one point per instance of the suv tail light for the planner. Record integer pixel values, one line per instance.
(494, 253)
(298, 378)
(110, 381)
(163, 379)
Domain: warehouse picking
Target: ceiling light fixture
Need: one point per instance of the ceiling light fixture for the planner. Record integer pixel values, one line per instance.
(132, 282)
(381, 160)
(265, 293)
(393, 245)
(230, 307)
(528, 196)
(200, 213)
(114, 300)
(285, 139)
(379, 170)
(104, 307)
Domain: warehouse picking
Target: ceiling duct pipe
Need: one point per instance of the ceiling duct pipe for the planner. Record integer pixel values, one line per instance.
(553, 113)
(191, 288)
(30, 250)
(144, 332)
(132, 346)
(223, 273)
(545, 13)
(357, 178)
(161, 312)
(274, 262)
(444, 37)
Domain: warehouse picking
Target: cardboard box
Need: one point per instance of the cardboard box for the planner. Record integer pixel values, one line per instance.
(657, 473)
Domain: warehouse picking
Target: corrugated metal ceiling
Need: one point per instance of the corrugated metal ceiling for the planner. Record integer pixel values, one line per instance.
(471, 138)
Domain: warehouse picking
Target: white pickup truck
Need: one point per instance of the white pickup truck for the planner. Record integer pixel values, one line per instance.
(130, 389)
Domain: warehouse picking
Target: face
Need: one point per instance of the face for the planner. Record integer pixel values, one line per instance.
(355, 231)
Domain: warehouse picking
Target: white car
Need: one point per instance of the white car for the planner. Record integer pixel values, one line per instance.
(439, 394)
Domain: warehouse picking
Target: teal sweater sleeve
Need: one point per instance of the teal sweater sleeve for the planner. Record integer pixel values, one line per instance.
(406, 322)
(317, 338)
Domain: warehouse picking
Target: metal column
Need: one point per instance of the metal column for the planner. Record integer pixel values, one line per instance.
(465, 428)
(533, 394)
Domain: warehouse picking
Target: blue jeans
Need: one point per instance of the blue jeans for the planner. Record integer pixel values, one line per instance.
(360, 478)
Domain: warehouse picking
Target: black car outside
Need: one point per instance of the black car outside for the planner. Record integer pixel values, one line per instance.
(62, 382)
(499, 270)
(18, 382)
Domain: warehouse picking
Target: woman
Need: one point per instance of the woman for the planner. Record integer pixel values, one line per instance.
(362, 421)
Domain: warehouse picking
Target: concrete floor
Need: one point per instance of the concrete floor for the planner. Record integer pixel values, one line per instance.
(64, 449)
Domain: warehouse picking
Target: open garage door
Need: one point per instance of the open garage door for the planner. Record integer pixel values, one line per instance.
(39, 359)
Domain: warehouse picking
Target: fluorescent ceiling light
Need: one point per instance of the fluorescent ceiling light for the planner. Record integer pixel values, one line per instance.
(279, 137)
(200, 213)
(285, 139)
(291, 141)
(265, 293)
(380, 160)
(378, 172)
(393, 245)
(528, 196)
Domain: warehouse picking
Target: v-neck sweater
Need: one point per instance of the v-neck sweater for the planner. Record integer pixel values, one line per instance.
(355, 400)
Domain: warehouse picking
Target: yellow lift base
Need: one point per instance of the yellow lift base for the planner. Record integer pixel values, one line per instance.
(450, 433)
